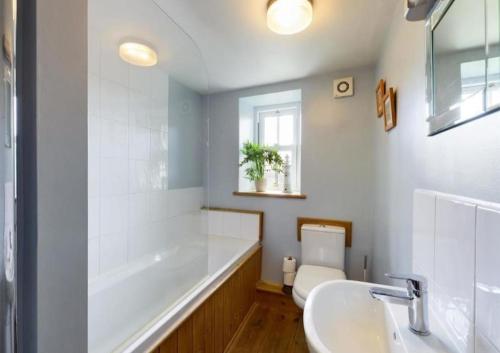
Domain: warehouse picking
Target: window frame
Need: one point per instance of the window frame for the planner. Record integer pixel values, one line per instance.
(295, 148)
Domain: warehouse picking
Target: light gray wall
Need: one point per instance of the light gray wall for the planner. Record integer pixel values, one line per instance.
(62, 176)
(185, 137)
(336, 165)
(464, 161)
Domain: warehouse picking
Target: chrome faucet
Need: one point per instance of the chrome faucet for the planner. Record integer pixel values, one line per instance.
(415, 298)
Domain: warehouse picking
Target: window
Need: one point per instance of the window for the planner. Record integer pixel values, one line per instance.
(473, 82)
(272, 119)
(278, 127)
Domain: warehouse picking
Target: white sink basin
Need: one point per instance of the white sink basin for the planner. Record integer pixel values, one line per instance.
(342, 317)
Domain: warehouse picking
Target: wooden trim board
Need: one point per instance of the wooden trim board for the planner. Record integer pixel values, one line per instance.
(263, 286)
(278, 195)
(347, 225)
(236, 210)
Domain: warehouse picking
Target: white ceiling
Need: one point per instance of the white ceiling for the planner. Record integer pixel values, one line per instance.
(113, 21)
(240, 51)
(236, 49)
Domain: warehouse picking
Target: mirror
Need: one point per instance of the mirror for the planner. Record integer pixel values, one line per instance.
(493, 47)
(463, 62)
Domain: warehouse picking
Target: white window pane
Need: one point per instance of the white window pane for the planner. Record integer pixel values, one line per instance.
(473, 77)
(286, 136)
(493, 81)
(472, 106)
(494, 95)
(270, 130)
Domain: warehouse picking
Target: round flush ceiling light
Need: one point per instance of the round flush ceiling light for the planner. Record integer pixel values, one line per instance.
(289, 16)
(138, 54)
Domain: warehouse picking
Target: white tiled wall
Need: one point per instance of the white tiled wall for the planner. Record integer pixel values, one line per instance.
(131, 210)
(456, 245)
(234, 224)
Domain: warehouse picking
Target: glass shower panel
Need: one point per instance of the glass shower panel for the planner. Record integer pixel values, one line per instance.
(146, 159)
(7, 179)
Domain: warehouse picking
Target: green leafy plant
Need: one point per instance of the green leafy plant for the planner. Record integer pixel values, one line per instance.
(257, 158)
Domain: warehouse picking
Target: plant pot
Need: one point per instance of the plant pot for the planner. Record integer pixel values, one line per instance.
(260, 185)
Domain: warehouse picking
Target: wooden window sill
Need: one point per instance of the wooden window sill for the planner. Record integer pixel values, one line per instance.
(275, 194)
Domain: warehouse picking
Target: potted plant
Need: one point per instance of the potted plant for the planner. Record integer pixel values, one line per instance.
(258, 158)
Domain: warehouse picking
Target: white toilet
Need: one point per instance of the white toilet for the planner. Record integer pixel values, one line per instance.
(323, 252)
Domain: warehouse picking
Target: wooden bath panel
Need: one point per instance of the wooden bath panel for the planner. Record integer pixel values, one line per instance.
(214, 323)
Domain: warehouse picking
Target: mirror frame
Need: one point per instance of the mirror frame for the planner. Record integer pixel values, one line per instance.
(453, 117)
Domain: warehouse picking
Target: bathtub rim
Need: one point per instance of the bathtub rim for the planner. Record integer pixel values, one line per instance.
(168, 323)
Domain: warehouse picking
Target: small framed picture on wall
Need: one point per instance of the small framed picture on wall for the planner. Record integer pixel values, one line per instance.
(380, 93)
(390, 114)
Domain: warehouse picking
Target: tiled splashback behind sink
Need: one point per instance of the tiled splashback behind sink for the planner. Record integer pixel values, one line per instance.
(456, 245)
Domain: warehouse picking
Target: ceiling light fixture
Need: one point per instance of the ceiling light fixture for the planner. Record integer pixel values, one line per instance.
(138, 54)
(289, 16)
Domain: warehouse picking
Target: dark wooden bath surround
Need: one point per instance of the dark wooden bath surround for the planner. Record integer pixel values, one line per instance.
(243, 315)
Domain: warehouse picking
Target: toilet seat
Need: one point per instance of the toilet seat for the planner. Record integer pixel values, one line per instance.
(308, 277)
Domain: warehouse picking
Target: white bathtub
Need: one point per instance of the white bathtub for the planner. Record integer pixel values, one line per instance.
(130, 310)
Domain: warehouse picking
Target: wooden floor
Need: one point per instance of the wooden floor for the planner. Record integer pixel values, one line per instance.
(273, 325)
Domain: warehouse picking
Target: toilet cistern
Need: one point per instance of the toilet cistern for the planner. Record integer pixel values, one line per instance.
(415, 298)
(323, 255)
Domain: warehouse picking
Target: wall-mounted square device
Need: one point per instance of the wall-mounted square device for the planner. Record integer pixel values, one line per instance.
(343, 87)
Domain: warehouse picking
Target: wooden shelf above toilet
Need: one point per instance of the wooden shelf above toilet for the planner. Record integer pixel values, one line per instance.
(347, 225)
